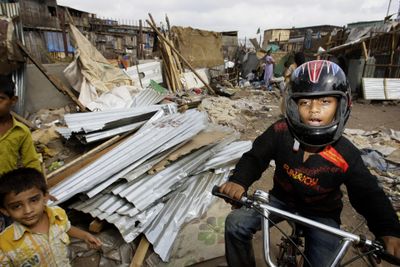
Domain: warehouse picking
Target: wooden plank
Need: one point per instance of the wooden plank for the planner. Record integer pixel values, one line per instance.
(53, 80)
(79, 163)
(140, 254)
(86, 155)
(96, 226)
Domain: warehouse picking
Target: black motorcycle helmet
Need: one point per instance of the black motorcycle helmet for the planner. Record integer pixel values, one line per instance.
(318, 78)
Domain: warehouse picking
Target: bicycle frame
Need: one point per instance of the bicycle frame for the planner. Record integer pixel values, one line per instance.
(346, 237)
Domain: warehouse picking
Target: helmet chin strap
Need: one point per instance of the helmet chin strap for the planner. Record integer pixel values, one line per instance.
(296, 145)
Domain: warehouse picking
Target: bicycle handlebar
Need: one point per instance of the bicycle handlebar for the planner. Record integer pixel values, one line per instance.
(262, 202)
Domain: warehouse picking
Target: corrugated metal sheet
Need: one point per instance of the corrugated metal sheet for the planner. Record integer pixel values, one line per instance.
(187, 204)
(157, 137)
(381, 88)
(227, 156)
(93, 121)
(190, 201)
(144, 192)
(150, 95)
(392, 88)
(159, 204)
(94, 137)
(373, 89)
(9, 9)
(129, 226)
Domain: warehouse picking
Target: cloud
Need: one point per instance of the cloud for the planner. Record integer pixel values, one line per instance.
(234, 15)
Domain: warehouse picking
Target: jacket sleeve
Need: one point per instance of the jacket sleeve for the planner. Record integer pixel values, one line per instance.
(368, 198)
(254, 162)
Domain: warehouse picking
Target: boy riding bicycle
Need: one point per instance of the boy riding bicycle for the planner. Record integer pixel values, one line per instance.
(312, 161)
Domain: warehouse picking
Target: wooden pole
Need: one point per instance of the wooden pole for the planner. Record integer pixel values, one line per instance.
(392, 54)
(180, 56)
(24, 121)
(364, 46)
(171, 65)
(139, 41)
(140, 254)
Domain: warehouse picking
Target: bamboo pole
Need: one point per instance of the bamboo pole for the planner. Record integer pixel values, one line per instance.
(180, 56)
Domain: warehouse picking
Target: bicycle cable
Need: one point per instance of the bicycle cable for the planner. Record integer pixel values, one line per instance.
(361, 255)
(285, 235)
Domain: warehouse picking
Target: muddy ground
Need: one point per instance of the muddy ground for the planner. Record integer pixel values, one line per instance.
(365, 115)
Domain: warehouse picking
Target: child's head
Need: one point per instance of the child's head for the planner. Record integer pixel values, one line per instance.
(7, 86)
(299, 58)
(7, 95)
(23, 195)
(318, 103)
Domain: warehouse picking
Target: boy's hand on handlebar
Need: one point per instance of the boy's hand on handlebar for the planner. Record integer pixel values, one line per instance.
(392, 245)
(232, 189)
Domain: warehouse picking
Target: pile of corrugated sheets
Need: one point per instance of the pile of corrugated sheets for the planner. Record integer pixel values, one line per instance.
(158, 178)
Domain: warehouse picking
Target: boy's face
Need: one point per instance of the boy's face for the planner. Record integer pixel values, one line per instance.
(6, 103)
(26, 207)
(317, 111)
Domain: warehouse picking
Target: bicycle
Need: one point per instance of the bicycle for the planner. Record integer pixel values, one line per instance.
(290, 253)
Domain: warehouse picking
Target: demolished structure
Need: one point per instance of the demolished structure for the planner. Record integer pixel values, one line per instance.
(153, 160)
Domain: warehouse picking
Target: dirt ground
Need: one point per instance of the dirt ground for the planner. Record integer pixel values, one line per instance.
(365, 115)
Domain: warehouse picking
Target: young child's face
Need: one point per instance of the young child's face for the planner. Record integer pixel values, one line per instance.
(6, 103)
(317, 111)
(26, 207)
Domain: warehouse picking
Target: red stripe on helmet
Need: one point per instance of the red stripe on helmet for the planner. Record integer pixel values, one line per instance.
(314, 70)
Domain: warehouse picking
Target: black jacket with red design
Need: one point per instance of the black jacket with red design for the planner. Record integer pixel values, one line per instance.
(313, 186)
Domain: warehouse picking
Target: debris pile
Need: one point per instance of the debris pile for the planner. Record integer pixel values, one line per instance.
(147, 160)
(381, 153)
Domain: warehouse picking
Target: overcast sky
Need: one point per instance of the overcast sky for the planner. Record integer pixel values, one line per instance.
(244, 16)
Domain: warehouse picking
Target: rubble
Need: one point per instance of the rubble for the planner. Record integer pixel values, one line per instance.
(147, 160)
(381, 154)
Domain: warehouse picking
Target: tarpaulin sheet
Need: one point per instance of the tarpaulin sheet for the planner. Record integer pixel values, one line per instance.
(90, 73)
(94, 66)
(200, 48)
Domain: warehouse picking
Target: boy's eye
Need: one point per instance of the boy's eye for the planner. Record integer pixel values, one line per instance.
(35, 199)
(304, 102)
(15, 206)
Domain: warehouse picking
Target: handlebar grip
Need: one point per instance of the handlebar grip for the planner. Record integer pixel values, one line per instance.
(234, 202)
(384, 255)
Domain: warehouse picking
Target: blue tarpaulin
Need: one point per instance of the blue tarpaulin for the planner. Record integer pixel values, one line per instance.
(54, 42)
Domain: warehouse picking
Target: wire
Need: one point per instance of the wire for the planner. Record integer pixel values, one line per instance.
(361, 255)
